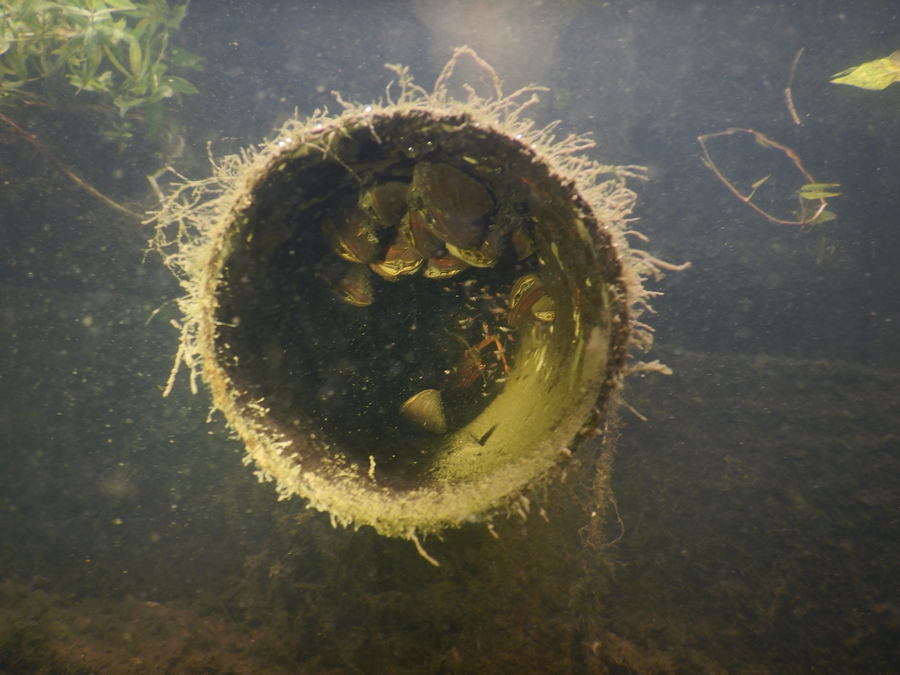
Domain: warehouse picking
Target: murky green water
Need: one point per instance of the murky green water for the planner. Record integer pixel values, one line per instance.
(757, 527)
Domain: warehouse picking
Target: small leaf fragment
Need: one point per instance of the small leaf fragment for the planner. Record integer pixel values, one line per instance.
(873, 75)
(756, 185)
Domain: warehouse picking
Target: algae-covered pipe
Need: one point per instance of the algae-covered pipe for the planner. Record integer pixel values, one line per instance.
(411, 313)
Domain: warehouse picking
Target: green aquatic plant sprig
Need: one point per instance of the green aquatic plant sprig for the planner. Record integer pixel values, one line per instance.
(117, 48)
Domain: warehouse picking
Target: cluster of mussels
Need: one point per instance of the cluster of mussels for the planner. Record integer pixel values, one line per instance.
(438, 223)
(441, 223)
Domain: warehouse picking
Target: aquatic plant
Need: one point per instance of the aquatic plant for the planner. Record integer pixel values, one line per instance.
(811, 195)
(117, 49)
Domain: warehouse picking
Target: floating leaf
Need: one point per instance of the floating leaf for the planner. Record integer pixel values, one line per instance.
(873, 74)
(819, 190)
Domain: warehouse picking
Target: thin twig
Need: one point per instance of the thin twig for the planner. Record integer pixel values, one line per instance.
(787, 92)
(66, 171)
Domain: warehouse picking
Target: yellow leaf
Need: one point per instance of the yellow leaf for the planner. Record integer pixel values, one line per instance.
(819, 190)
(871, 75)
